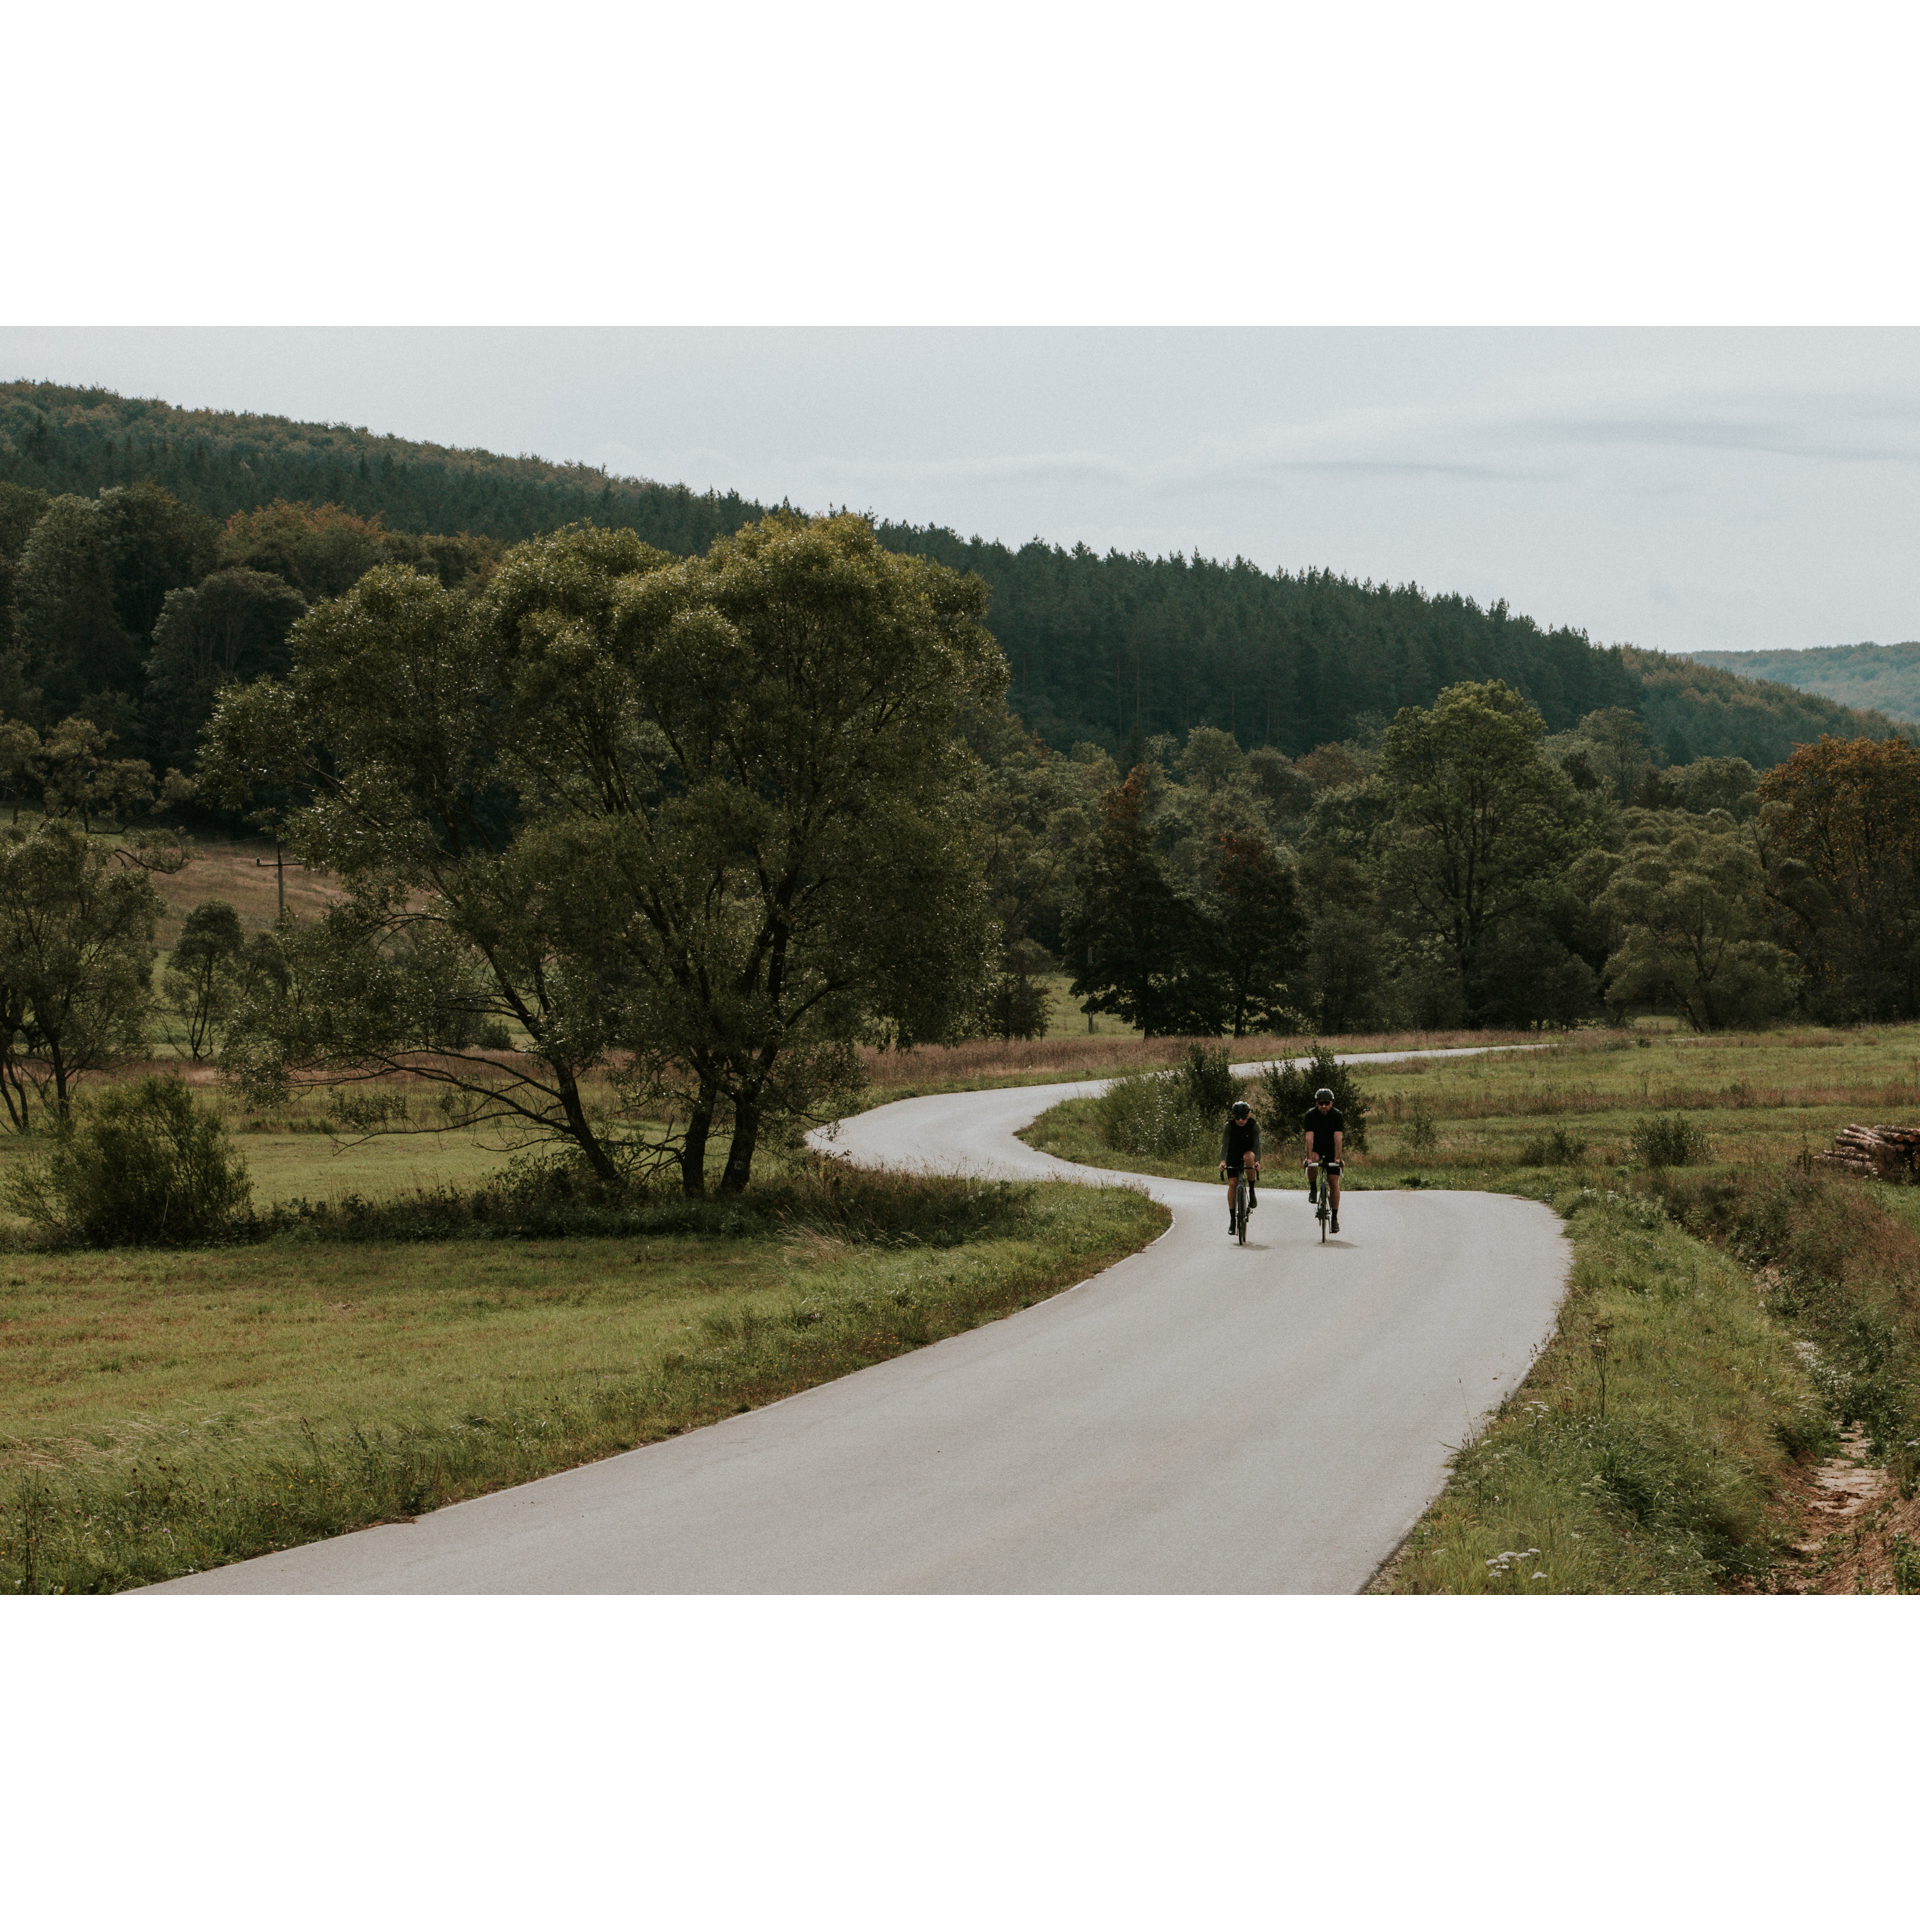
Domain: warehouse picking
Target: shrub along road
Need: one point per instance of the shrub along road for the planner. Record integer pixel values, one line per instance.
(1199, 1418)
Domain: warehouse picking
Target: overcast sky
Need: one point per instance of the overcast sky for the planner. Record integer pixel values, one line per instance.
(1674, 488)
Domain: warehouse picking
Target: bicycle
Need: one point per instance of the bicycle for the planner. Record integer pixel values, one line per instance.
(1323, 1212)
(1242, 1205)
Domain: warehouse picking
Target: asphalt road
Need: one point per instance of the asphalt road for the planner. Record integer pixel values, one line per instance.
(1202, 1417)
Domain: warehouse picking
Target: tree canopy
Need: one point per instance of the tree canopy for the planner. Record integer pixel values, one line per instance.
(710, 819)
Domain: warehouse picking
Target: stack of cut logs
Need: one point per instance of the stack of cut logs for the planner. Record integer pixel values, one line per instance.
(1876, 1153)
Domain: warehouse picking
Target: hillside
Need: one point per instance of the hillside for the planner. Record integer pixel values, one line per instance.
(80, 439)
(1692, 709)
(1882, 677)
(1099, 645)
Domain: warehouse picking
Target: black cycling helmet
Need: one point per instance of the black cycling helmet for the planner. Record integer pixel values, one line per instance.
(1240, 1109)
(1325, 1093)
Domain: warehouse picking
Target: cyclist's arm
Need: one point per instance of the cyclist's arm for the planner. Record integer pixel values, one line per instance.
(1339, 1146)
(1308, 1138)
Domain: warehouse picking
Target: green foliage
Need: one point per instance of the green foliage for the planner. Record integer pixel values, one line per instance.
(1841, 821)
(212, 970)
(76, 958)
(1559, 1147)
(1208, 1073)
(232, 627)
(142, 1165)
(1153, 1116)
(1668, 1140)
(713, 815)
(1687, 902)
(1481, 822)
(1905, 1556)
(1283, 1093)
(1838, 1268)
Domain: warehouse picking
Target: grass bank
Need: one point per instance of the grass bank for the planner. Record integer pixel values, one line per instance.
(164, 1412)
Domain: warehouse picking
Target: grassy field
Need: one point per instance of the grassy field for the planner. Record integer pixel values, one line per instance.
(1761, 1099)
(1728, 1325)
(162, 1411)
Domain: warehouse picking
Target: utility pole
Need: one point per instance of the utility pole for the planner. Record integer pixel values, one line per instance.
(279, 873)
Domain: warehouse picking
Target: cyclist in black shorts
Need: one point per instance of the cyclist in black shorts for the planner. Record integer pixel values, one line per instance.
(1326, 1132)
(1240, 1149)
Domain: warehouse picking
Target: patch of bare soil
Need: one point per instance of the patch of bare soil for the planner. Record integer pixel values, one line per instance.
(1853, 1522)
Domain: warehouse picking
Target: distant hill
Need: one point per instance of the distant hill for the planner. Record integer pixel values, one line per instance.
(1883, 677)
(1691, 709)
(1099, 644)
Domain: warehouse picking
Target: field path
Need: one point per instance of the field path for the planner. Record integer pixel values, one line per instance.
(1201, 1417)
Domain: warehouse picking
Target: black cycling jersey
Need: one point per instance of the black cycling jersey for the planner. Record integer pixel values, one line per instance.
(1322, 1126)
(1237, 1140)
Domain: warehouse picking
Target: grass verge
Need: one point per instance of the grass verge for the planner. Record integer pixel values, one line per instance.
(165, 1412)
(1652, 1444)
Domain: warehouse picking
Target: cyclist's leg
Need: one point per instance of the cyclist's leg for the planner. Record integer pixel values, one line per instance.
(1253, 1183)
(1333, 1196)
(1233, 1198)
(1313, 1183)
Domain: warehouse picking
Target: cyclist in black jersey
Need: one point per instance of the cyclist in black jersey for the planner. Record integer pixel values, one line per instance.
(1240, 1150)
(1326, 1133)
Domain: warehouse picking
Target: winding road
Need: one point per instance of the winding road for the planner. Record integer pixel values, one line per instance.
(1201, 1417)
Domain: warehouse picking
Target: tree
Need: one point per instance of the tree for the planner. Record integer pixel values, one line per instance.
(318, 551)
(199, 979)
(1687, 899)
(76, 960)
(19, 763)
(233, 626)
(1480, 819)
(1257, 928)
(64, 601)
(709, 819)
(90, 584)
(76, 777)
(1841, 820)
(1135, 946)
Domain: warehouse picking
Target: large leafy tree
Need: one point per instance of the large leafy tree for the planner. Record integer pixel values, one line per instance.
(76, 958)
(1481, 821)
(1687, 901)
(708, 820)
(1842, 828)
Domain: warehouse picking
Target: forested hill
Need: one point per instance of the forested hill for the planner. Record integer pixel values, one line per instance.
(80, 439)
(1098, 644)
(1884, 677)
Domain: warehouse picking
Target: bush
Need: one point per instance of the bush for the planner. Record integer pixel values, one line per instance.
(1153, 1115)
(1559, 1148)
(1668, 1140)
(142, 1165)
(1284, 1093)
(1208, 1073)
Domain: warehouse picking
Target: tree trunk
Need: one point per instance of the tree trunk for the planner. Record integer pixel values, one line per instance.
(746, 1131)
(693, 1154)
(581, 1129)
